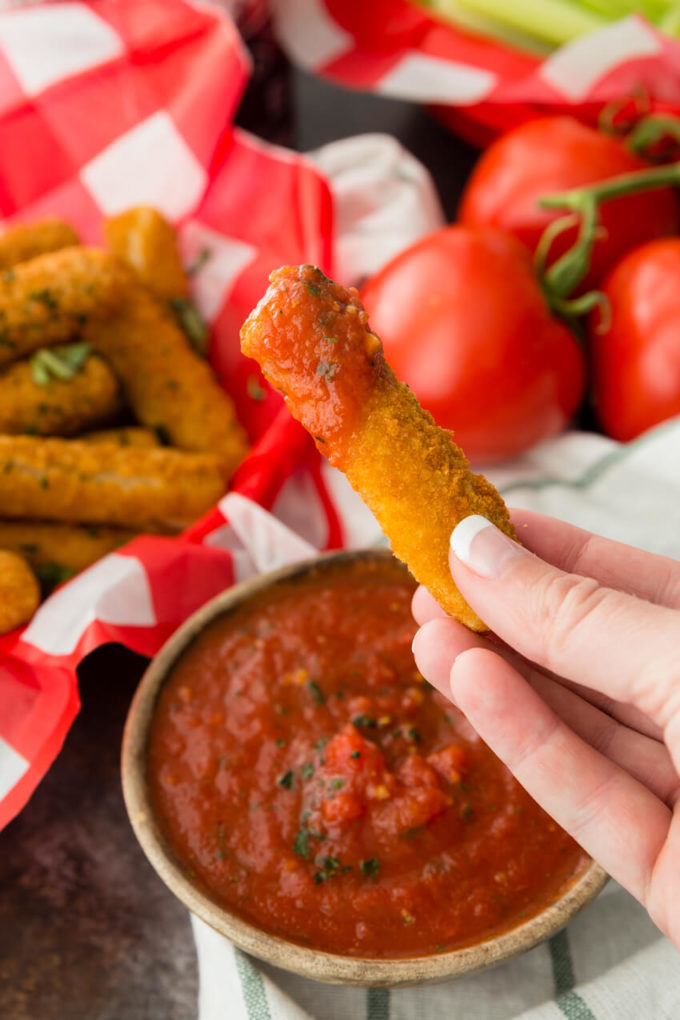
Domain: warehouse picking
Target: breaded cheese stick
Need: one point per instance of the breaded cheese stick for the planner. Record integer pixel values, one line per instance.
(143, 239)
(168, 386)
(72, 547)
(49, 298)
(128, 487)
(19, 591)
(26, 240)
(314, 344)
(124, 435)
(59, 407)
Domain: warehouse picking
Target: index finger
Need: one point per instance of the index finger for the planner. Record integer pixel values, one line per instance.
(613, 564)
(571, 625)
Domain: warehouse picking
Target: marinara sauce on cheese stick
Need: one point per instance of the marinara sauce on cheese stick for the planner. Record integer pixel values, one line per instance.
(313, 342)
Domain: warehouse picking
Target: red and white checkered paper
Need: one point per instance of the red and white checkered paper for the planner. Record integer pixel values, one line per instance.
(477, 86)
(108, 104)
(103, 106)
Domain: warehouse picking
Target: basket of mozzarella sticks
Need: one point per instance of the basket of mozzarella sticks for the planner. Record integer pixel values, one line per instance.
(71, 489)
(138, 230)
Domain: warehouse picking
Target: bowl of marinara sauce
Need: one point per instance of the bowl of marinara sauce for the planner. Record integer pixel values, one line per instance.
(299, 786)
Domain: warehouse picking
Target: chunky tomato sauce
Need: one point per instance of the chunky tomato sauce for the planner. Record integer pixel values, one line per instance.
(314, 783)
(312, 339)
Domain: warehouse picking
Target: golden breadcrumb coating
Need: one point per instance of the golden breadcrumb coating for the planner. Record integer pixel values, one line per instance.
(313, 342)
(91, 483)
(26, 240)
(50, 298)
(169, 387)
(72, 547)
(123, 435)
(19, 591)
(58, 407)
(143, 239)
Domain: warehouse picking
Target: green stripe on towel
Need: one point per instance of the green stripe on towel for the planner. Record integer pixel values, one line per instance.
(252, 986)
(595, 471)
(570, 1003)
(378, 1004)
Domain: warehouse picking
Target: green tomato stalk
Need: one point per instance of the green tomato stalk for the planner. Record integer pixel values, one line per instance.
(651, 132)
(582, 206)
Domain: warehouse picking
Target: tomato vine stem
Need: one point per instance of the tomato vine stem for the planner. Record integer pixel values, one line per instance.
(561, 278)
(652, 130)
(614, 187)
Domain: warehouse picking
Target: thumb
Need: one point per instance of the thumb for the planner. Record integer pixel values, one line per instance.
(571, 625)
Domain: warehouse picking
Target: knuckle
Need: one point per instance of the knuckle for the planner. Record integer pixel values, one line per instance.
(592, 804)
(656, 686)
(566, 604)
(533, 746)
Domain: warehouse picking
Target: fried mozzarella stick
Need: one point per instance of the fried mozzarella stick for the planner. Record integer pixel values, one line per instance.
(168, 386)
(314, 344)
(124, 435)
(128, 487)
(19, 591)
(72, 547)
(58, 407)
(26, 240)
(143, 239)
(49, 298)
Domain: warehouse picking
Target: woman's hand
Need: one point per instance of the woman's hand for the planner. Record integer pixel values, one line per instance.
(577, 689)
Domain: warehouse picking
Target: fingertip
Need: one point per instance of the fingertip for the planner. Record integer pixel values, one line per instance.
(435, 646)
(465, 670)
(475, 677)
(425, 607)
(428, 635)
(426, 648)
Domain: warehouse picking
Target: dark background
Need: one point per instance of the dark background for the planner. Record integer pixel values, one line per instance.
(87, 930)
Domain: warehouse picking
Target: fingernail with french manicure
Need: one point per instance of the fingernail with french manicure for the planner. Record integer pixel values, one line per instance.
(479, 544)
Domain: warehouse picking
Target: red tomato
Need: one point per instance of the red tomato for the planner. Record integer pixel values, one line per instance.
(464, 323)
(553, 154)
(635, 360)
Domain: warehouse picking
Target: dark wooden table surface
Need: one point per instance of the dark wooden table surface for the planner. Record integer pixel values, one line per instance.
(87, 930)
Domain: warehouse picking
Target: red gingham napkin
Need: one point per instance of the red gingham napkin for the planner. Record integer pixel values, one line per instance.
(104, 106)
(398, 49)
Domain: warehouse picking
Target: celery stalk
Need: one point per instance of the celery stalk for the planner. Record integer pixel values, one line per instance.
(456, 13)
(665, 14)
(614, 9)
(670, 23)
(538, 26)
(553, 21)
